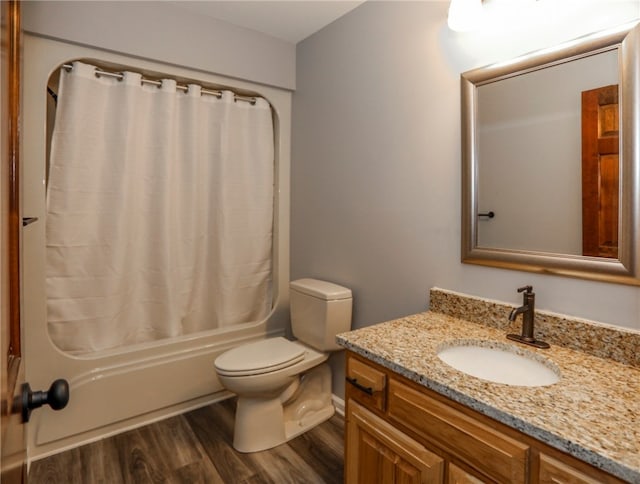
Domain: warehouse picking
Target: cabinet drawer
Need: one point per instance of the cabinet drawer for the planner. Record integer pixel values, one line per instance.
(553, 471)
(492, 453)
(366, 384)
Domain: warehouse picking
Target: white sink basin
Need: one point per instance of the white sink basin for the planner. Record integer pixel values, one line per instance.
(500, 364)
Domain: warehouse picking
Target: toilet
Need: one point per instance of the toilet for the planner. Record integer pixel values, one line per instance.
(283, 386)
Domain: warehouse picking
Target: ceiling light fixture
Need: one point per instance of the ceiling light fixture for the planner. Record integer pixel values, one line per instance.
(464, 15)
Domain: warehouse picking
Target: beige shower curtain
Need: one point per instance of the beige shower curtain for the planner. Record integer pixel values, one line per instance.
(159, 211)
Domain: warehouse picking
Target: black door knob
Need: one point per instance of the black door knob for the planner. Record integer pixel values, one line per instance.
(56, 397)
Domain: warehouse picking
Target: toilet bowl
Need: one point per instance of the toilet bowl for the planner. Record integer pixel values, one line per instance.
(283, 386)
(261, 421)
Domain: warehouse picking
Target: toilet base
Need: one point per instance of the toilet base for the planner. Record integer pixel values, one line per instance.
(264, 423)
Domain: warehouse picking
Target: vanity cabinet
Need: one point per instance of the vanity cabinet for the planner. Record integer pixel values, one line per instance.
(400, 432)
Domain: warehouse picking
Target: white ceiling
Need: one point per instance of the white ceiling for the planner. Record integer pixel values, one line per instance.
(289, 20)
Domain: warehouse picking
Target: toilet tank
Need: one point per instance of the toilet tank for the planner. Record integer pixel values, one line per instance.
(319, 311)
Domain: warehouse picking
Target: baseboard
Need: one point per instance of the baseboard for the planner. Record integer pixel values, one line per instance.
(338, 403)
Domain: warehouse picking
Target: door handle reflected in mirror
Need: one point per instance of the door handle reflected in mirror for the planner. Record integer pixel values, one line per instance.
(56, 397)
(28, 221)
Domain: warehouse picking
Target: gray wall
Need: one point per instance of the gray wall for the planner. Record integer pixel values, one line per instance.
(376, 163)
(373, 186)
(167, 33)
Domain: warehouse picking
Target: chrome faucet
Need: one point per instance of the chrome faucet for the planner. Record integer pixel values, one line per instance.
(528, 314)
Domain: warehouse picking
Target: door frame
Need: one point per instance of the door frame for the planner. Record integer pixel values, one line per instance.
(12, 430)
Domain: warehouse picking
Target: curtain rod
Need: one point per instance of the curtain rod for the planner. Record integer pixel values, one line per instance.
(182, 87)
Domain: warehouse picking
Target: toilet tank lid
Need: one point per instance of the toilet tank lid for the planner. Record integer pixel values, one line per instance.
(320, 289)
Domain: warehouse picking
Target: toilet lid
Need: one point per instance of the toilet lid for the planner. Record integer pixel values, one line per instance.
(260, 357)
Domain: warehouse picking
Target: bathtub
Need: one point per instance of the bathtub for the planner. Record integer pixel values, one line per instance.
(117, 390)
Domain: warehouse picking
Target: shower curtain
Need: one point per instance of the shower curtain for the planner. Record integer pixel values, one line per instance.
(159, 211)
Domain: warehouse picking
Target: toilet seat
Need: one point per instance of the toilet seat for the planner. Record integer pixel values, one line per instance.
(260, 357)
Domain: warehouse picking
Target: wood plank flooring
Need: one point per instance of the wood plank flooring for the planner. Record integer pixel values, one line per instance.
(196, 447)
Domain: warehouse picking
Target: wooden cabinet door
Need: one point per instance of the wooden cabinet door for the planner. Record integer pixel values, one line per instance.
(458, 476)
(378, 453)
(553, 471)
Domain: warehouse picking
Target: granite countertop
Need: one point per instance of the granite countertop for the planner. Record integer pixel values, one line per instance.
(592, 413)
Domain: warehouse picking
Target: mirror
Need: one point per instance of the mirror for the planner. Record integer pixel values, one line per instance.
(551, 160)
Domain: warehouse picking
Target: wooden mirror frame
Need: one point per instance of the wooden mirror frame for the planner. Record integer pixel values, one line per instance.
(625, 269)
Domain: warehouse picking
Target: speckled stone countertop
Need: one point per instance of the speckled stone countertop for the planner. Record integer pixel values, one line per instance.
(592, 413)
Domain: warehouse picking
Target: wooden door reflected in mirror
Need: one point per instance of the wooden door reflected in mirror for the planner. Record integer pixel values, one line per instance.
(600, 172)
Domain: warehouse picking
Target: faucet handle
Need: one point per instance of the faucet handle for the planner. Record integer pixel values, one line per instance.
(528, 289)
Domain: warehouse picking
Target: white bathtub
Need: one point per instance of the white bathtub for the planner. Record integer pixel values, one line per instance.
(118, 390)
